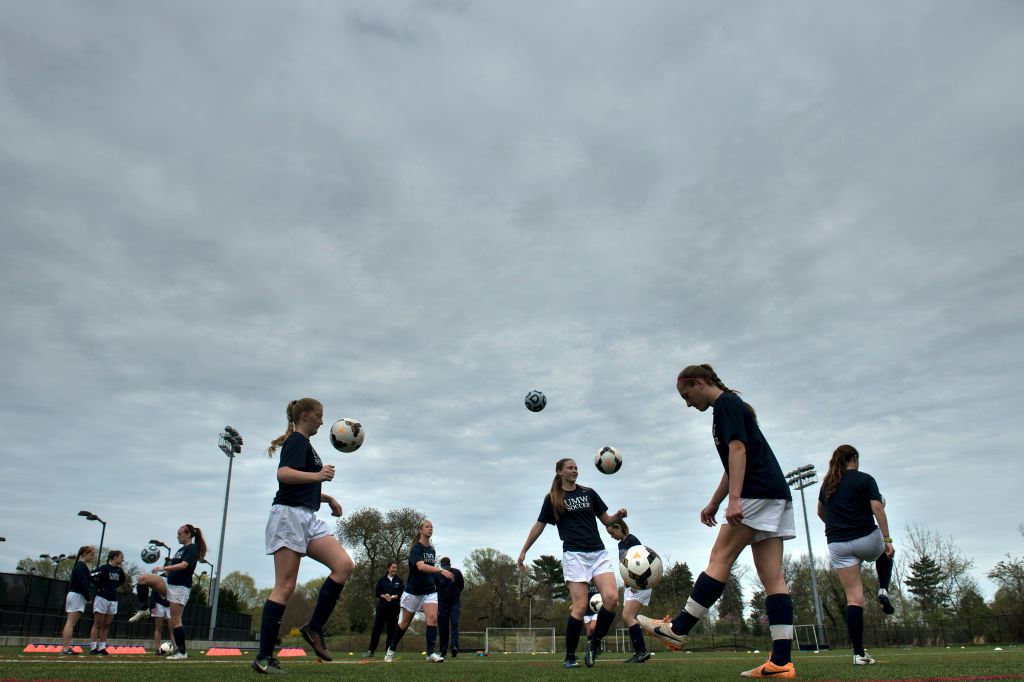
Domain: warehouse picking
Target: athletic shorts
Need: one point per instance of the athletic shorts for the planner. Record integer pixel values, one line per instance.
(414, 602)
(294, 528)
(178, 594)
(770, 518)
(161, 611)
(854, 552)
(74, 602)
(580, 567)
(101, 605)
(642, 596)
(589, 617)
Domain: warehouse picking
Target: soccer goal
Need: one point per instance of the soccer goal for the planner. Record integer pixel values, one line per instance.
(806, 638)
(519, 640)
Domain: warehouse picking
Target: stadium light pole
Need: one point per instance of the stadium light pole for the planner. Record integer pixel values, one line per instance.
(230, 443)
(161, 544)
(801, 478)
(92, 517)
(55, 559)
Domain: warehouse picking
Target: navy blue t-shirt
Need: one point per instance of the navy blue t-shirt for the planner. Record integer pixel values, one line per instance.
(421, 582)
(190, 555)
(591, 591)
(107, 579)
(577, 527)
(763, 479)
(298, 453)
(848, 514)
(81, 577)
(625, 543)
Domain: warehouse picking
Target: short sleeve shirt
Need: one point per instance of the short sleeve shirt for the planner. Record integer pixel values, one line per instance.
(298, 453)
(108, 578)
(577, 527)
(625, 543)
(763, 477)
(848, 514)
(190, 555)
(421, 582)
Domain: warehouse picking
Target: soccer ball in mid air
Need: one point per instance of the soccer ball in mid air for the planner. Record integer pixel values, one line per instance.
(165, 648)
(150, 553)
(596, 603)
(641, 567)
(608, 460)
(347, 435)
(535, 401)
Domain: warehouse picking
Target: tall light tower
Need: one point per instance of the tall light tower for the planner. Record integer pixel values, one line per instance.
(230, 443)
(801, 478)
(92, 517)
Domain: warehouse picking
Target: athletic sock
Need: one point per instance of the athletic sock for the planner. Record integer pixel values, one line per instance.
(270, 626)
(572, 636)
(102, 645)
(431, 638)
(179, 638)
(883, 566)
(706, 592)
(396, 638)
(855, 626)
(779, 608)
(636, 634)
(142, 592)
(329, 593)
(604, 621)
(92, 646)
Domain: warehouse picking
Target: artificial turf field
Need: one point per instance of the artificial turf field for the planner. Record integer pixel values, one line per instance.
(971, 663)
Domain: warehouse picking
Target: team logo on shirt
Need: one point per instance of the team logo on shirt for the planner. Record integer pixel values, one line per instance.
(316, 458)
(577, 503)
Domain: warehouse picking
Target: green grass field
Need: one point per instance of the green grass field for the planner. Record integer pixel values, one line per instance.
(971, 663)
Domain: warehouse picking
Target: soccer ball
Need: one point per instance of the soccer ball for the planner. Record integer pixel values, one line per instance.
(165, 648)
(347, 435)
(150, 553)
(641, 568)
(535, 401)
(596, 603)
(608, 460)
(882, 500)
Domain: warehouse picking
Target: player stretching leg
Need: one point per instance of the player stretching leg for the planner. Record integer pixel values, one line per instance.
(574, 510)
(759, 514)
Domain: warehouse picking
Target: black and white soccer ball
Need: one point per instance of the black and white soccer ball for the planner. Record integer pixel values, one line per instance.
(165, 648)
(347, 435)
(608, 460)
(150, 553)
(535, 401)
(596, 602)
(641, 567)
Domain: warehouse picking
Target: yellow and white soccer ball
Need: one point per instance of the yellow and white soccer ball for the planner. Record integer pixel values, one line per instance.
(641, 567)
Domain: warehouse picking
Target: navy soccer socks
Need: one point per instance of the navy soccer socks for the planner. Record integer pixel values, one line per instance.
(269, 627)
(855, 626)
(325, 603)
(704, 594)
(779, 608)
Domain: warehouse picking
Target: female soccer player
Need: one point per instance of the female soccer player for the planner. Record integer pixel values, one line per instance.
(294, 531)
(107, 579)
(849, 503)
(78, 593)
(388, 590)
(759, 514)
(175, 583)
(420, 592)
(633, 600)
(574, 510)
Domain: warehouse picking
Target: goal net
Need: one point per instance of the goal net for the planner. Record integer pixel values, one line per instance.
(519, 640)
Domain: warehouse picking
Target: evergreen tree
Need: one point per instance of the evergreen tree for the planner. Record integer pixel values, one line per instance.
(924, 583)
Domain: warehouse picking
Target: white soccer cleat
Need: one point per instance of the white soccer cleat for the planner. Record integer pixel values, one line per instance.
(389, 656)
(863, 660)
(662, 630)
(177, 656)
(435, 658)
(139, 615)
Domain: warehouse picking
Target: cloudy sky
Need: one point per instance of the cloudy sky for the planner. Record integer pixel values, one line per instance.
(417, 211)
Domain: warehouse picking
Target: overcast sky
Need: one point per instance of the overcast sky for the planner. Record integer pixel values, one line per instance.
(418, 211)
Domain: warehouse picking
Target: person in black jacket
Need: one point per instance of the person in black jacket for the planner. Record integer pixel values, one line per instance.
(388, 592)
(78, 594)
(449, 607)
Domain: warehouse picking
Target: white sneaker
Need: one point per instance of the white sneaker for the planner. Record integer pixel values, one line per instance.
(863, 660)
(435, 658)
(139, 615)
(177, 656)
(389, 656)
(661, 629)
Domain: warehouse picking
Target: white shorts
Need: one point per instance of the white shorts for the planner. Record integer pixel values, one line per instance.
(854, 552)
(580, 567)
(770, 518)
(102, 605)
(161, 611)
(294, 528)
(589, 617)
(642, 596)
(414, 602)
(178, 594)
(74, 602)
